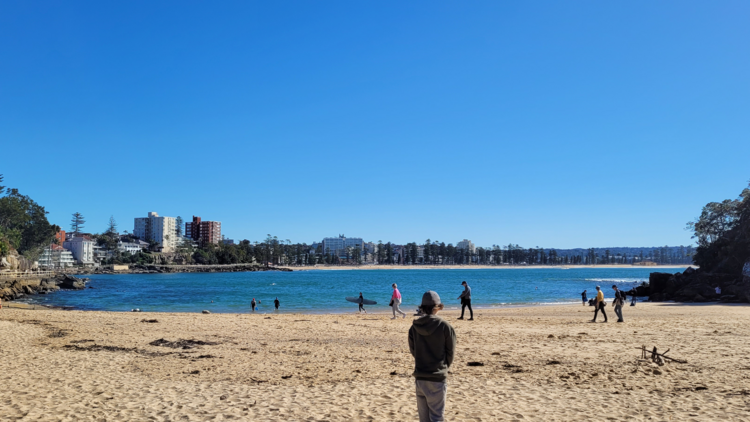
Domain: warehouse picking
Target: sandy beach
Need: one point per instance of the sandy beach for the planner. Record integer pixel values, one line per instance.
(538, 363)
(477, 267)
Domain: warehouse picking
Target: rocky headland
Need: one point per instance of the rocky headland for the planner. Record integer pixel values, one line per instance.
(699, 286)
(15, 288)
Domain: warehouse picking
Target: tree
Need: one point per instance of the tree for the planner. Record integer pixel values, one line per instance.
(76, 223)
(178, 226)
(112, 226)
(23, 224)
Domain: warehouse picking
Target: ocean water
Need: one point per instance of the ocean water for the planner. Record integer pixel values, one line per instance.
(321, 291)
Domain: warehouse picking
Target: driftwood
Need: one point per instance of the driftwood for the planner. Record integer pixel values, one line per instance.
(657, 357)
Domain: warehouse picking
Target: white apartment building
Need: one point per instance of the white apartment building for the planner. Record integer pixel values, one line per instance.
(58, 257)
(82, 249)
(161, 230)
(339, 245)
(466, 244)
(133, 247)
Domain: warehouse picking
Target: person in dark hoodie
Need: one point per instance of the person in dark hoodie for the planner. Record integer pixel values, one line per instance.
(432, 342)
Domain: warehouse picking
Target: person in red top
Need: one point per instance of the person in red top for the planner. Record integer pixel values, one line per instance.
(396, 302)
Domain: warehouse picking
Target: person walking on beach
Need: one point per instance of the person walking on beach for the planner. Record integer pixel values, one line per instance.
(599, 304)
(466, 301)
(252, 304)
(584, 298)
(361, 303)
(632, 299)
(432, 342)
(276, 303)
(619, 301)
(396, 302)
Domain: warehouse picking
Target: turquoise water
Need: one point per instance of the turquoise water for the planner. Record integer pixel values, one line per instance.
(324, 291)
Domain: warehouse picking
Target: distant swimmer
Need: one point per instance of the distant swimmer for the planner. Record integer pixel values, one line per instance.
(276, 303)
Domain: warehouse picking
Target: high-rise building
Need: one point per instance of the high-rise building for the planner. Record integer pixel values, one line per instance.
(466, 244)
(339, 245)
(203, 231)
(158, 229)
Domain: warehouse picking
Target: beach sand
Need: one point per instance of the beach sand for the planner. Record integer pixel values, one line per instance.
(539, 363)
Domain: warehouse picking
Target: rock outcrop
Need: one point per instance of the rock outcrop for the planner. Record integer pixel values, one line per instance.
(698, 286)
(16, 288)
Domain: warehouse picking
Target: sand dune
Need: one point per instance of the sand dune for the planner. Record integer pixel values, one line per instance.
(539, 363)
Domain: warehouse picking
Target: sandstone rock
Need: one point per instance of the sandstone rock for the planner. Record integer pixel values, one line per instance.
(206, 312)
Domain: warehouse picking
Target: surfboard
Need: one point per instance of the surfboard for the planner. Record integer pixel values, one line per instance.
(355, 299)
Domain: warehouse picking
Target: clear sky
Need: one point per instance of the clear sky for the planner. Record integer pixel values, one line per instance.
(551, 124)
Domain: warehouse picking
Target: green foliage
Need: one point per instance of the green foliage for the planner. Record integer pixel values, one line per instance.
(23, 223)
(723, 234)
(76, 223)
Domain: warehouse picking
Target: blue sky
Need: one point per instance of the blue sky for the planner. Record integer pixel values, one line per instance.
(552, 124)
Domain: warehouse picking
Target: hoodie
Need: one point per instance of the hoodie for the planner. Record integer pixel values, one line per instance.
(432, 342)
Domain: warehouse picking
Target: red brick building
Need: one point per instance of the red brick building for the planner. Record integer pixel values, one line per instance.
(203, 231)
(60, 237)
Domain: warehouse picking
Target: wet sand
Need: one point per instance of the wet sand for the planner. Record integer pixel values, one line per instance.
(539, 363)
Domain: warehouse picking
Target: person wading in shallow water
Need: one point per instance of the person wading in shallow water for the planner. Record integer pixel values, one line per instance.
(252, 304)
(276, 303)
(599, 304)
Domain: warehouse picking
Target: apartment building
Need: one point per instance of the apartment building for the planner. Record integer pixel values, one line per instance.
(161, 230)
(339, 245)
(203, 232)
(466, 244)
(55, 256)
(82, 248)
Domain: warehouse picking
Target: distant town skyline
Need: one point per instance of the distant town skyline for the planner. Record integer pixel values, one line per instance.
(590, 124)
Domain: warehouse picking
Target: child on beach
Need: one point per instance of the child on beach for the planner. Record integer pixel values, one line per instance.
(432, 342)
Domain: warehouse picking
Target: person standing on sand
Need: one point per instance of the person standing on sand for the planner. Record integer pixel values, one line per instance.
(599, 304)
(396, 302)
(466, 301)
(276, 303)
(619, 301)
(252, 304)
(583, 297)
(432, 342)
(361, 303)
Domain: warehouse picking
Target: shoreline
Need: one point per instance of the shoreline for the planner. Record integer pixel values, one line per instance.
(479, 267)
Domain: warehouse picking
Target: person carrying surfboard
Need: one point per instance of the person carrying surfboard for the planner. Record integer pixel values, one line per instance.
(432, 342)
(361, 303)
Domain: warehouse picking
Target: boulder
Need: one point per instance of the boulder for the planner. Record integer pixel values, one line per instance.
(66, 281)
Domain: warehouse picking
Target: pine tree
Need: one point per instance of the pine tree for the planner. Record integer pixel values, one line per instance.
(76, 223)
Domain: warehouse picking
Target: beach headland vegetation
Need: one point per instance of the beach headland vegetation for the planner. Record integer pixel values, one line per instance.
(722, 232)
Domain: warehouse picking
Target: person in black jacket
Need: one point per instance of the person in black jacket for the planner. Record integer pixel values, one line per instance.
(432, 342)
(619, 301)
(466, 301)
